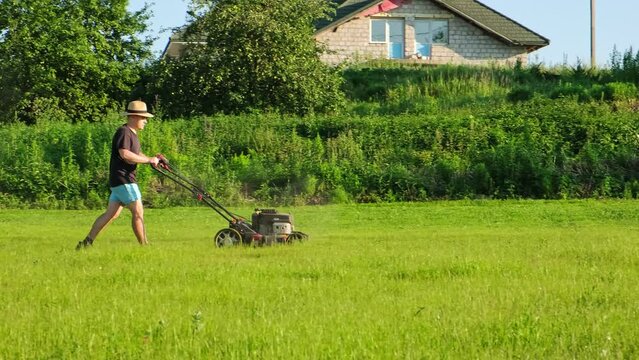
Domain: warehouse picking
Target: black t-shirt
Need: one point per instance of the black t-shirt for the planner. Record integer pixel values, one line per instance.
(121, 172)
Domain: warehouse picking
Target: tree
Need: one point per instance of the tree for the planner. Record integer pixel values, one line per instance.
(74, 58)
(256, 54)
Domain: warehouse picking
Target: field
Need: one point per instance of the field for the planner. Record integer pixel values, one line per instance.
(463, 279)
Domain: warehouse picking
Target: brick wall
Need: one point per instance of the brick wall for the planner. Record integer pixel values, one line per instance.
(467, 44)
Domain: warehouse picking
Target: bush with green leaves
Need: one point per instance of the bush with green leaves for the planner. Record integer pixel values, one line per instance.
(625, 67)
(258, 55)
(66, 60)
(542, 149)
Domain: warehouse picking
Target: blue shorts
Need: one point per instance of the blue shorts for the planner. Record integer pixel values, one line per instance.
(125, 194)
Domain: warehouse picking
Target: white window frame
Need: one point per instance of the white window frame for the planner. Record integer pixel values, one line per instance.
(370, 37)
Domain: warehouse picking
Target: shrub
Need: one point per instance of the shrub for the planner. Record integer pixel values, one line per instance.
(520, 94)
(620, 91)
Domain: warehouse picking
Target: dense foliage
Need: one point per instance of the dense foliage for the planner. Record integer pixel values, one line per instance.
(65, 59)
(408, 133)
(625, 67)
(542, 148)
(253, 54)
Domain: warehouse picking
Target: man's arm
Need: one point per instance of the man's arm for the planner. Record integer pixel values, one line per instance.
(133, 158)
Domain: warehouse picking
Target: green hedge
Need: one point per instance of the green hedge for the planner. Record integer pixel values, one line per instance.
(540, 148)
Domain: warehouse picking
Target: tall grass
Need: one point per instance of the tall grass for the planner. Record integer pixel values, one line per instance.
(398, 89)
(378, 87)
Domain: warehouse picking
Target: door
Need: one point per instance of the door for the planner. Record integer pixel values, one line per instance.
(395, 38)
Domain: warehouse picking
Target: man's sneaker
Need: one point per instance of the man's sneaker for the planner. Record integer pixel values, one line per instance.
(84, 243)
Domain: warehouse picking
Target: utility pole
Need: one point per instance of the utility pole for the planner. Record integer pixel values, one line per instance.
(593, 60)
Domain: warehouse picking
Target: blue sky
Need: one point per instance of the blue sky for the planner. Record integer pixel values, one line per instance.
(565, 22)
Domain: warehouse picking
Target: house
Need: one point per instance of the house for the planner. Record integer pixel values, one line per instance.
(429, 31)
(432, 31)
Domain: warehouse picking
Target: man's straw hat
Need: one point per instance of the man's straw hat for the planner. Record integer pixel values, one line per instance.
(138, 108)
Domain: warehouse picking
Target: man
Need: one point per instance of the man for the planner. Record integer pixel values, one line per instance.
(125, 155)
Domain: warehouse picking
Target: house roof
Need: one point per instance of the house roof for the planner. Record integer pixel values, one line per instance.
(177, 43)
(494, 22)
(473, 11)
(346, 9)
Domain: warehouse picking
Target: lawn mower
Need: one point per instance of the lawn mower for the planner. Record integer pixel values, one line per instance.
(267, 226)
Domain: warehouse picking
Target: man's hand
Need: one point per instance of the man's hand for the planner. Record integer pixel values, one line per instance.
(154, 161)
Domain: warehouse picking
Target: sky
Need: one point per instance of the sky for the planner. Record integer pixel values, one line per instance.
(566, 23)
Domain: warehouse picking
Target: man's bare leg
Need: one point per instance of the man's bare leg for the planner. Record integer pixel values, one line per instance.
(137, 221)
(112, 212)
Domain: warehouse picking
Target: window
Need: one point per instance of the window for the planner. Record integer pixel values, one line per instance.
(429, 32)
(390, 31)
(378, 30)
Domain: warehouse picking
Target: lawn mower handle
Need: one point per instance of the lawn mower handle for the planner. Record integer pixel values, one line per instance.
(163, 162)
(171, 173)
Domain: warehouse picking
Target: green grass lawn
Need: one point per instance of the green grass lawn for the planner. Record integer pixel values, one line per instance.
(485, 279)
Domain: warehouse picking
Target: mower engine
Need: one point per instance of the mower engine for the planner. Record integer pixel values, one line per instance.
(274, 226)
